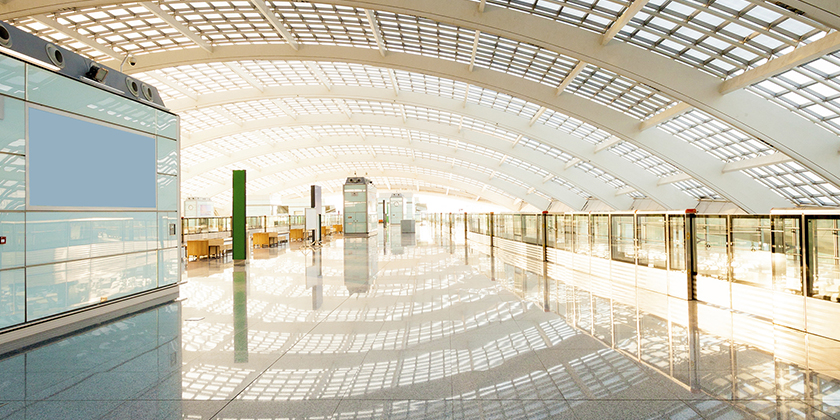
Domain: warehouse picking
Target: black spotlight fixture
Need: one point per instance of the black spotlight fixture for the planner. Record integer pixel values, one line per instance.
(97, 73)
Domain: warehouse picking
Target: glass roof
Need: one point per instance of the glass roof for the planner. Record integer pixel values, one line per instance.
(722, 37)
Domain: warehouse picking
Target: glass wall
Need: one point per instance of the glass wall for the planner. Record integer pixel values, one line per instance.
(653, 250)
(768, 251)
(824, 261)
(751, 259)
(91, 246)
(711, 239)
(787, 254)
(623, 239)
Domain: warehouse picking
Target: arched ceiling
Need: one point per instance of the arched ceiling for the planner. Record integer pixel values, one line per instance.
(668, 100)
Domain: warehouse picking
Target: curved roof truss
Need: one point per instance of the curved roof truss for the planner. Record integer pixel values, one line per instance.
(522, 51)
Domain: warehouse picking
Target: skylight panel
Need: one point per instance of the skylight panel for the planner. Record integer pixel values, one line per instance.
(714, 136)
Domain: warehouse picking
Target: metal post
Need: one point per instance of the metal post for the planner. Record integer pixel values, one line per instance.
(239, 230)
(690, 232)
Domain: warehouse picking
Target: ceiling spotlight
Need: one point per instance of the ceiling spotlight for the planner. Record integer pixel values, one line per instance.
(97, 73)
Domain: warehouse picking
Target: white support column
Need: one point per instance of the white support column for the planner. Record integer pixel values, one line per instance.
(622, 20)
(374, 26)
(54, 25)
(178, 26)
(269, 15)
(570, 77)
(672, 112)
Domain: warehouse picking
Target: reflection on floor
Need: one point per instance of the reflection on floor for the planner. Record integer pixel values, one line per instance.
(405, 326)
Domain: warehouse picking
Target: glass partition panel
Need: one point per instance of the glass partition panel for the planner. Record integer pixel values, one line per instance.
(623, 245)
(676, 230)
(824, 261)
(751, 259)
(581, 234)
(787, 254)
(531, 233)
(550, 230)
(601, 236)
(711, 247)
(652, 247)
(516, 223)
(566, 232)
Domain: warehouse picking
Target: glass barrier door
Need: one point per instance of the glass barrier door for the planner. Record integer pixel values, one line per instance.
(824, 258)
(787, 254)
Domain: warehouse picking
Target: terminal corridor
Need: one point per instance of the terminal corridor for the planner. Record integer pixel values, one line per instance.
(403, 326)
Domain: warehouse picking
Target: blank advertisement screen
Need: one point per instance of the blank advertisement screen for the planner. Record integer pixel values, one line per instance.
(79, 163)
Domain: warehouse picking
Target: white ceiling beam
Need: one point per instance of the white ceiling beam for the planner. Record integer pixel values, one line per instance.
(360, 132)
(393, 75)
(624, 191)
(466, 94)
(72, 34)
(174, 85)
(481, 5)
(570, 77)
(548, 177)
(515, 142)
(474, 49)
(285, 108)
(345, 109)
(404, 115)
(672, 112)
(756, 162)
(571, 163)
(606, 144)
(622, 20)
(503, 159)
(251, 80)
(826, 45)
(665, 180)
(275, 22)
(178, 26)
(312, 133)
(537, 116)
(319, 74)
(374, 26)
(229, 115)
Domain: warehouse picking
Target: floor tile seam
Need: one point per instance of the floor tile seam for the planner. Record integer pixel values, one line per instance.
(270, 365)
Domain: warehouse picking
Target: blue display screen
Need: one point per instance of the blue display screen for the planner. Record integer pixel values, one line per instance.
(75, 162)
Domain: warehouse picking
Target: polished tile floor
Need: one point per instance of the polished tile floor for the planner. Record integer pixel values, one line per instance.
(395, 327)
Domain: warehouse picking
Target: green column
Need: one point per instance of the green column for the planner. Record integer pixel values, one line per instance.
(238, 228)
